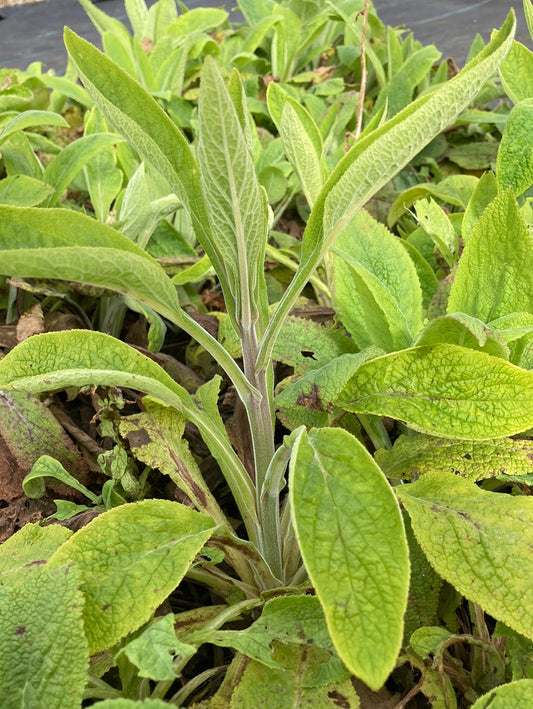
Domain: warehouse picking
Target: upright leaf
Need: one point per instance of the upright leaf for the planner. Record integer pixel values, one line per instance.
(478, 541)
(493, 277)
(444, 390)
(235, 200)
(377, 157)
(129, 560)
(376, 287)
(514, 167)
(516, 73)
(353, 544)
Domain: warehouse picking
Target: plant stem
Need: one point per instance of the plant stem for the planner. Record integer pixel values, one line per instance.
(376, 431)
(362, 90)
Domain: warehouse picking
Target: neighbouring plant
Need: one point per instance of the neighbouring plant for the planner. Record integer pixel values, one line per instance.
(381, 504)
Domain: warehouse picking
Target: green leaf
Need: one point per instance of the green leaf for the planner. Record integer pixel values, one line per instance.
(48, 467)
(78, 358)
(377, 292)
(286, 621)
(155, 649)
(464, 330)
(518, 695)
(444, 390)
(436, 223)
(60, 243)
(103, 178)
(478, 541)
(516, 73)
(198, 19)
(412, 456)
(455, 189)
(350, 532)
(129, 109)
(129, 560)
(493, 275)
(377, 157)
(30, 546)
(23, 191)
(316, 391)
(485, 191)
(131, 704)
(72, 159)
(28, 119)
(301, 140)
(138, 16)
(264, 688)
(43, 651)
(514, 167)
(236, 201)
(528, 12)
(474, 156)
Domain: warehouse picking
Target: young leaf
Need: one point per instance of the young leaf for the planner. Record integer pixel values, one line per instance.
(347, 522)
(72, 159)
(478, 541)
(129, 109)
(486, 190)
(129, 560)
(377, 292)
(493, 275)
(436, 223)
(27, 119)
(444, 390)
(514, 167)
(516, 73)
(301, 140)
(236, 202)
(43, 650)
(412, 456)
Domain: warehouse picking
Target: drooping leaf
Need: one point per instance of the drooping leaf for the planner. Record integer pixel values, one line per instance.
(80, 357)
(129, 560)
(60, 243)
(475, 460)
(43, 650)
(347, 522)
(478, 541)
(493, 275)
(444, 390)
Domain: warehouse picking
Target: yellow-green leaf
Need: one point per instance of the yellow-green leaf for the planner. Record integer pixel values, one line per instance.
(444, 390)
(478, 541)
(353, 544)
(129, 560)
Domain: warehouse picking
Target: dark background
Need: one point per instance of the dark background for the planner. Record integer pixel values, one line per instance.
(33, 32)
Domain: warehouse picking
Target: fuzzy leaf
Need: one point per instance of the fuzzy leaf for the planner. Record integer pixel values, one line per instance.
(377, 292)
(129, 560)
(475, 460)
(23, 191)
(464, 330)
(518, 695)
(352, 540)
(32, 545)
(43, 650)
(478, 541)
(493, 275)
(516, 73)
(514, 167)
(60, 243)
(444, 390)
